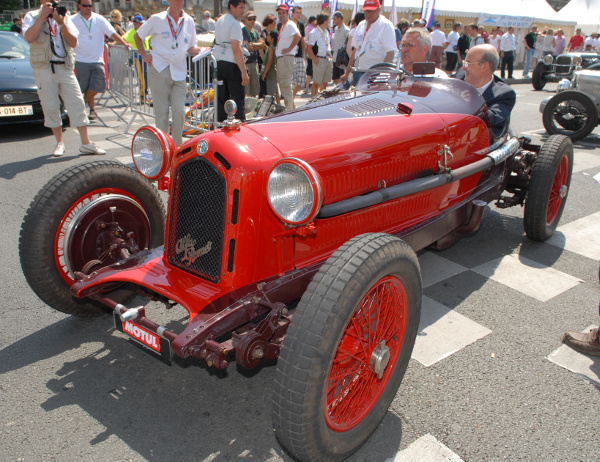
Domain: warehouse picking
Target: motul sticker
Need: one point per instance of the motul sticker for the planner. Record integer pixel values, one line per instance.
(141, 335)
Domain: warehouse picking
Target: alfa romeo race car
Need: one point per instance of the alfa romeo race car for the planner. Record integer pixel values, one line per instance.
(293, 237)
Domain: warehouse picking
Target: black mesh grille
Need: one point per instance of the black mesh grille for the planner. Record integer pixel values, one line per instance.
(198, 203)
(231, 255)
(234, 208)
(8, 98)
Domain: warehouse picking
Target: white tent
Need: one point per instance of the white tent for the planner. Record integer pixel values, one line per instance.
(586, 13)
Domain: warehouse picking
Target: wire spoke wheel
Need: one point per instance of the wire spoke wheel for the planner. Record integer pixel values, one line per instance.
(570, 113)
(370, 343)
(347, 348)
(548, 188)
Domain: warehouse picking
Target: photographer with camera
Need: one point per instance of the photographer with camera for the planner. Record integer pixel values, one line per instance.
(52, 37)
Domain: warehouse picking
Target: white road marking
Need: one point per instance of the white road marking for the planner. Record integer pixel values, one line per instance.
(528, 277)
(435, 268)
(580, 236)
(443, 332)
(426, 449)
(586, 366)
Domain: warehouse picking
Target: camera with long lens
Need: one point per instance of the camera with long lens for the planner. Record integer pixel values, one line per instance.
(62, 10)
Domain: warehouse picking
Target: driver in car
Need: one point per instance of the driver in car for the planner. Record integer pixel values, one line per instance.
(479, 66)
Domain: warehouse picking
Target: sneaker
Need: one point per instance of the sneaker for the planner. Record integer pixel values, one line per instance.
(91, 149)
(59, 150)
(583, 342)
(92, 115)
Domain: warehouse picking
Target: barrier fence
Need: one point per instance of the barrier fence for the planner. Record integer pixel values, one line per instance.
(128, 84)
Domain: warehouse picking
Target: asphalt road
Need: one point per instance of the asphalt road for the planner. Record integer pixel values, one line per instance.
(73, 389)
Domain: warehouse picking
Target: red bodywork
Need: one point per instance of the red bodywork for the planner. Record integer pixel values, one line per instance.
(392, 132)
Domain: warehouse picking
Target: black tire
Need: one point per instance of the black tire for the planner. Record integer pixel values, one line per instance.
(59, 221)
(538, 77)
(315, 348)
(548, 188)
(570, 113)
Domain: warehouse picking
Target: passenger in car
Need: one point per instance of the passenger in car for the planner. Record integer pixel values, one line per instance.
(479, 66)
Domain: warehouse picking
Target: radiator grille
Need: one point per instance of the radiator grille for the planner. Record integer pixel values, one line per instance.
(197, 225)
(8, 98)
(563, 64)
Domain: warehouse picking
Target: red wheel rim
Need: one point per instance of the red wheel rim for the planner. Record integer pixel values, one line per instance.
(353, 387)
(72, 251)
(558, 192)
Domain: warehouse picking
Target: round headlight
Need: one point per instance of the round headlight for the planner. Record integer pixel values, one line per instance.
(294, 191)
(548, 60)
(152, 151)
(577, 60)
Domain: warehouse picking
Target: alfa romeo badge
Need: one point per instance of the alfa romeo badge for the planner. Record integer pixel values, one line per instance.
(202, 147)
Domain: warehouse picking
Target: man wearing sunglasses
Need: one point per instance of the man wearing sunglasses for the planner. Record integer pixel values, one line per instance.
(89, 53)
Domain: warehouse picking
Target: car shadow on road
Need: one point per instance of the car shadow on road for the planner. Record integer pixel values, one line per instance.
(181, 412)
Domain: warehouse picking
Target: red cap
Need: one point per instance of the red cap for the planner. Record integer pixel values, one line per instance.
(371, 5)
(282, 6)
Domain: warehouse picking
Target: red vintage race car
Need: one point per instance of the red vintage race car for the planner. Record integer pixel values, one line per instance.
(293, 237)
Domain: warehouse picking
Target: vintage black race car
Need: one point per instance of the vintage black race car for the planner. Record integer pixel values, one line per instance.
(562, 67)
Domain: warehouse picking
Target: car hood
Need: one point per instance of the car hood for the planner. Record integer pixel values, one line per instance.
(16, 74)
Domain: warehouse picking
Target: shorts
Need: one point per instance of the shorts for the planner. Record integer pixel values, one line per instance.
(309, 70)
(299, 72)
(91, 76)
(322, 71)
(337, 72)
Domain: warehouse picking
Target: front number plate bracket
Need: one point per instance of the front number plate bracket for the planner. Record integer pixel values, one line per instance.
(143, 336)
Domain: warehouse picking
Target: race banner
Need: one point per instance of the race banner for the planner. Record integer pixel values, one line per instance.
(325, 4)
(427, 12)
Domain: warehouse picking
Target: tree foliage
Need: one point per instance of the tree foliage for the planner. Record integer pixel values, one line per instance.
(12, 5)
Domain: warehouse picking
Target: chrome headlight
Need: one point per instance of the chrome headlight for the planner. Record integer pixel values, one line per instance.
(577, 60)
(152, 152)
(563, 85)
(294, 191)
(548, 60)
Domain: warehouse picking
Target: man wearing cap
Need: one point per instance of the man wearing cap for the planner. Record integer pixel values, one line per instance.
(340, 35)
(322, 67)
(231, 69)
(173, 34)
(89, 53)
(416, 48)
(374, 41)
(438, 39)
(137, 22)
(289, 37)
(253, 43)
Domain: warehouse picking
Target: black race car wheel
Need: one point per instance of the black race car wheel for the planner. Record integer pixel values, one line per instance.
(570, 113)
(72, 222)
(538, 77)
(347, 348)
(548, 188)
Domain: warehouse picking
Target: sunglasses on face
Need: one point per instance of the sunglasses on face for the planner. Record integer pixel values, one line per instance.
(85, 6)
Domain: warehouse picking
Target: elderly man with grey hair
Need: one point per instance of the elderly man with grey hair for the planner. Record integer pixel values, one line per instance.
(208, 23)
(416, 48)
(479, 66)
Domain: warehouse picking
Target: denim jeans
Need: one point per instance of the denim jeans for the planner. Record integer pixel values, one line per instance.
(528, 58)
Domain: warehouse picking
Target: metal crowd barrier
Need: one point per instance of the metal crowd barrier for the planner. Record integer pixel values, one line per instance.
(128, 84)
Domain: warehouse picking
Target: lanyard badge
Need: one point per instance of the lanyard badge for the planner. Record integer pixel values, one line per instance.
(175, 33)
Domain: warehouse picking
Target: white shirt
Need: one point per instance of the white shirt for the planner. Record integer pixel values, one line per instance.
(321, 38)
(166, 50)
(438, 38)
(209, 24)
(452, 41)
(508, 42)
(90, 44)
(60, 54)
(495, 41)
(286, 37)
(595, 43)
(482, 90)
(372, 45)
(227, 29)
